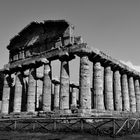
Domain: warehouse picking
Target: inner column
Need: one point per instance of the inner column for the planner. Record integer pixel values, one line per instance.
(47, 87)
(64, 85)
(39, 86)
(74, 97)
(18, 92)
(56, 94)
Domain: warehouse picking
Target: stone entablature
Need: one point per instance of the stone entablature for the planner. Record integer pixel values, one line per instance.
(75, 49)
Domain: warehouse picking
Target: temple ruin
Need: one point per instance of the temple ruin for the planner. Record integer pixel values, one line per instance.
(111, 88)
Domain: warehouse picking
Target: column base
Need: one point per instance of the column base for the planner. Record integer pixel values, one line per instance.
(84, 112)
(98, 113)
(74, 109)
(65, 112)
(56, 109)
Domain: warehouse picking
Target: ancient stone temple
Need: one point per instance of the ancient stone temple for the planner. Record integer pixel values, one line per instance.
(105, 84)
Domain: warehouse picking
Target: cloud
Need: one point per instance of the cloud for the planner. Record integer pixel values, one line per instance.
(130, 64)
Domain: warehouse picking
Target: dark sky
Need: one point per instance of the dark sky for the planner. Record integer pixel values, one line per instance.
(112, 26)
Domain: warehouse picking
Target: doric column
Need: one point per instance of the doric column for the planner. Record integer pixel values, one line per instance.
(74, 97)
(31, 91)
(39, 84)
(125, 93)
(25, 90)
(47, 87)
(56, 95)
(64, 85)
(109, 88)
(117, 91)
(39, 87)
(137, 90)
(18, 92)
(98, 86)
(0, 105)
(132, 94)
(84, 83)
(6, 95)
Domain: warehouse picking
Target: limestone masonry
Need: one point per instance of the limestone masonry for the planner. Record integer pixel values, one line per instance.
(24, 87)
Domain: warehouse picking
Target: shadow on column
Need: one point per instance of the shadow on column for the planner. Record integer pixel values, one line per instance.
(24, 96)
(11, 98)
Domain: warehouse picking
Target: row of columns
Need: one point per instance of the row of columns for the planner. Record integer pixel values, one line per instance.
(61, 89)
(111, 90)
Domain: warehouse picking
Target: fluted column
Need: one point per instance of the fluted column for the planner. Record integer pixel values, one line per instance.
(117, 91)
(31, 91)
(125, 93)
(6, 95)
(39, 87)
(98, 86)
(64, 85)
(109, 88)
(0, 105)
(132, 94)
(74, 97)
(84, 83)
(39, 84)
(56, 95)
(47, 87)
(137, 91)
(18, 92)
(25, 75)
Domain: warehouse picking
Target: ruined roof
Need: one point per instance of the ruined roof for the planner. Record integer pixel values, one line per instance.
(21, 39)
(21, 35)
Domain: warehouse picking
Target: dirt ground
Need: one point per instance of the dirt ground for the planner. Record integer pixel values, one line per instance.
(13, 135)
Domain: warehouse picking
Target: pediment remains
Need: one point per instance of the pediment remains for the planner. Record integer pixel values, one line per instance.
(37, 38)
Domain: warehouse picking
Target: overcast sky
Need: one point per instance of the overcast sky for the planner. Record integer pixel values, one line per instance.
(112, 26)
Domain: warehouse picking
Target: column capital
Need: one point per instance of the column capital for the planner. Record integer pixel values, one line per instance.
(6, 70)
(42, 61)
(66, 56)
(26, 73)
(74, 85)
(29, 64)
(107, 68)
(82, 53)
(18, 68)
(54, 81)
